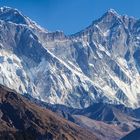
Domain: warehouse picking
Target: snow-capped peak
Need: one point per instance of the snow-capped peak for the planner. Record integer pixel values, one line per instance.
(112, 11)
(6, 8)
(13, 15)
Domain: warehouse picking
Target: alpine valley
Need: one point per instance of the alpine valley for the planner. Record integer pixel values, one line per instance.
(91, 78)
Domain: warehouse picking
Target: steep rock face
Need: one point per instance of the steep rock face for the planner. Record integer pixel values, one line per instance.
(108, 53)
(98, 64)
(21, 119)
(37, 71)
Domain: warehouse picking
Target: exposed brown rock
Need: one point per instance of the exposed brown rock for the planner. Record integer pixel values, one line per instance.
(22, 120)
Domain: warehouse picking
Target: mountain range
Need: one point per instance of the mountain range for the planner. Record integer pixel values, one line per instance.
(90, 76)
(97, 64)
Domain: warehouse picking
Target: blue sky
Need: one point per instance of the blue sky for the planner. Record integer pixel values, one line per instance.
(71, 16)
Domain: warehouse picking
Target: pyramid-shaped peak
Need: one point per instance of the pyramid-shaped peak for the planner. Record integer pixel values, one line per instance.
(112, 12)
(15, 16)
(7, 9)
